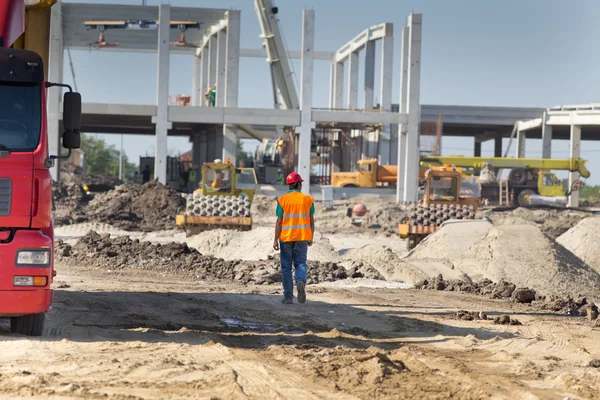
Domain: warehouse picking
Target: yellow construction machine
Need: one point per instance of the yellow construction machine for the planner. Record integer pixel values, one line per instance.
(222, 201)
(530, 182)
(449, 195)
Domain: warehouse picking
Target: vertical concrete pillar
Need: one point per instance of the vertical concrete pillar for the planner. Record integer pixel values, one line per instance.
(212, 60)
(332, 84)
(477, 149)
(401, 154)
(411, 173)
(387, 71)
(221, 68)
(211, 145)
(521, 139)
(498, 146)
(546, 137)
(197, 94)
(54, 95)
(574, 152)
(369, 75)
(199, 150)
(231, 81)
(338, 98)
(204, 74)
(306, 86)
(161, 120)
(352, 81)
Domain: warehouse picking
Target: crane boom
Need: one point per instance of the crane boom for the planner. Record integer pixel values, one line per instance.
(569, 164)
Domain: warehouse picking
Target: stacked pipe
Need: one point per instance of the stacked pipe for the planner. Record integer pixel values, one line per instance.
(217, 206)
(436, 214)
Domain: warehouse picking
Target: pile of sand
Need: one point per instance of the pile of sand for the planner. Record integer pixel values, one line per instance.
(451, 240)
(386, 262)
(256, 244)
(584, 241)
(552, 222)
(522, 254)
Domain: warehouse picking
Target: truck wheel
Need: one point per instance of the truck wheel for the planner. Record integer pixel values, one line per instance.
(518, 176)
(29, 325)
(522, 199)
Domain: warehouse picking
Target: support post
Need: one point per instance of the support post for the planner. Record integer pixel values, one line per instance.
(369, 75)
(574, 152)
(161, 120)
(353, 81)
(197, 94)
(338, 98)
(221, 68)
(306, 86)
(401, 157)
(55, 74)
(212, 61)
(204, 74)
(521, 138)
(477, 149)
(387, 70)
(231, 82)
(332, 84)
(546, 137)
(498, 146)
(411, 173)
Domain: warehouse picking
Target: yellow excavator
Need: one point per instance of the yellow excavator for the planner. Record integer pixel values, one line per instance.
(222, 201)
(530, 182)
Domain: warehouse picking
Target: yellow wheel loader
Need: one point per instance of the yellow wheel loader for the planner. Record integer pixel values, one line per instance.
(222, 201)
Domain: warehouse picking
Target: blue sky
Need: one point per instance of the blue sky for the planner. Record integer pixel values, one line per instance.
(538, 53)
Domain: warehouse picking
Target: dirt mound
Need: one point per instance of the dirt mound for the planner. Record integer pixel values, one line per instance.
(522, 254)
(68, 203)
(386, 262)
(263, 206)
(552, 222)
(583, 241)
(122, 252)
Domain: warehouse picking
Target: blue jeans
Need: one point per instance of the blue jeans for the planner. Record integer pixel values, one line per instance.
(292, 253)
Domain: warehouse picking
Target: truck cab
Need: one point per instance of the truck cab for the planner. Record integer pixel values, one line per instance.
(26, 233)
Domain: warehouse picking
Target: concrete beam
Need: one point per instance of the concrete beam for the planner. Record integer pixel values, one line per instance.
(55, 74)
(401, 156)
(477, 149)
(161, 120)
(546, 138)
(231, 81)
(197, 95)
(498, 146)
(235, 116)
(574, 152)
(359, 42)
(338, 98)
(331, 85)
(369, 90)
(306, 87)
(521, 140)
(387, 70)
(359, 117)
(211, 32)
(411, 173)
(352, 102)
(212, 61)
(221, 68)
(294, 54)
(529, 125)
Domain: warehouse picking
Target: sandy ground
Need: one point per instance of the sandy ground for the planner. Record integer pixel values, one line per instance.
(142, 336)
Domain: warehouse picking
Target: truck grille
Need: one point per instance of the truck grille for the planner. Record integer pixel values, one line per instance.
(5, 196)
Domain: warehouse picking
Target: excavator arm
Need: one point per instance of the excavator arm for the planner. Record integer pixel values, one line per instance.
(477, 163)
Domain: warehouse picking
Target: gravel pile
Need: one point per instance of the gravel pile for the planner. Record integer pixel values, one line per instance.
(68, 203)
(583, 241)
(122, 253)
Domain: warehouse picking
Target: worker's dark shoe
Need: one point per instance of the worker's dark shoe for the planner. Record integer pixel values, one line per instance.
(301, 292)
(288, 300)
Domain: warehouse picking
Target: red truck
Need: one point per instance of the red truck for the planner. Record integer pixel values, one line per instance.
(26, 229)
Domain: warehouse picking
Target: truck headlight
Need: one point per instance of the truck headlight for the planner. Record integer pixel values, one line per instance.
(33, 258)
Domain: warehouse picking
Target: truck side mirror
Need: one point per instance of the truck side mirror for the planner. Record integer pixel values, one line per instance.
(71, 140)
(72, 111)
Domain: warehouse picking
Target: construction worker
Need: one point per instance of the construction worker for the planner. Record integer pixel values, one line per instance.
(191, 183)
(146, 174)
(293, 235)
(207, 96)
(280, 177)
(213, 95)
(218, 181)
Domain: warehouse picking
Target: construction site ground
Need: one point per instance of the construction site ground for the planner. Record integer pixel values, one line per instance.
(143, 312)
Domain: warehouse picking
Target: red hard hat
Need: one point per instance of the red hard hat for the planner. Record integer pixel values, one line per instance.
(294, 177)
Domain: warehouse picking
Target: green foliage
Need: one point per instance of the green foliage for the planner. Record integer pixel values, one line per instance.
(587, 193)
(240, 154)
(104, 159)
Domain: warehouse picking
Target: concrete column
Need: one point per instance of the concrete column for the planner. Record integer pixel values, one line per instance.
(477, 150)
(306, 86)
(221, 68)
(232, 81)
(161, 120)
(387, 70)
(574, 152)
(199, 150)
(352, 81)
(546, 138)
(521, 138)
(369, 75)
(54, 95)
(401, 138)
(498, 146)
(197, 95)
(212, 61)
(332, 84)
(338, 98)
(211, 145)
(411, 172)
(204, 74)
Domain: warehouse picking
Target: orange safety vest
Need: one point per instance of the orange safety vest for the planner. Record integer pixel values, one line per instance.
(296, 217)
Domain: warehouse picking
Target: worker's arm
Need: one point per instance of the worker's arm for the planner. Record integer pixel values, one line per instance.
(278, 225)
(312, 230)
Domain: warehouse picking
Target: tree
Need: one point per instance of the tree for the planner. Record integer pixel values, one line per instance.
(240, 154)
(104, 159)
